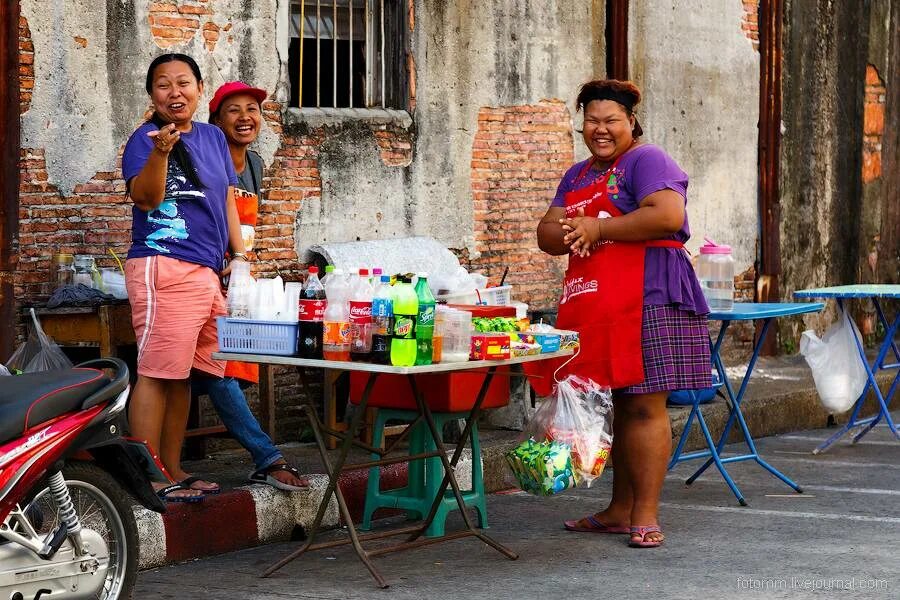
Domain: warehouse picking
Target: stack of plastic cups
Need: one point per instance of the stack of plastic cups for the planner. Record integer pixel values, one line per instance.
(457, 336)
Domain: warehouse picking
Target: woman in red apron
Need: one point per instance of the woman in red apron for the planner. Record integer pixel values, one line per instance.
(632, 295)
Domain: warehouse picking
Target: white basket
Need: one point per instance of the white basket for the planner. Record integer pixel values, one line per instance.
(493, 296)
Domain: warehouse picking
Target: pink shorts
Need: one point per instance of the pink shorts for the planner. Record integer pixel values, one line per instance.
(174, 305)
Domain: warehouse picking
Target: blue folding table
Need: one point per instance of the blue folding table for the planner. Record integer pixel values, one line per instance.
(742, 311)
(873, 292)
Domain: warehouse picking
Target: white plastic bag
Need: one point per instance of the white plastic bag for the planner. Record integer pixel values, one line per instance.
(835, 363)
(580, 416)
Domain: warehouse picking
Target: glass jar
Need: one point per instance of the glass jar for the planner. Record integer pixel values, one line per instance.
(62, 271)
(715, 270)
(84, 270)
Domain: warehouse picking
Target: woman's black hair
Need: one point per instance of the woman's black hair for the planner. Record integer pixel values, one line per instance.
(625, 93)
(179, 151)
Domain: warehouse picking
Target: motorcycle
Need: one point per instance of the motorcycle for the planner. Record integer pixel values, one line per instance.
(67, 526)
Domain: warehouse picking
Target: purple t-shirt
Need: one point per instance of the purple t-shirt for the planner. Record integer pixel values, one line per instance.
(191, 224)
(669, 277)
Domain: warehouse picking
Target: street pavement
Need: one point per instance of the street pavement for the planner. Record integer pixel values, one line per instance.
(837, 539)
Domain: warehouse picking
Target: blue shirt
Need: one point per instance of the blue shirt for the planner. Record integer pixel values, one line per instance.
(191, 223)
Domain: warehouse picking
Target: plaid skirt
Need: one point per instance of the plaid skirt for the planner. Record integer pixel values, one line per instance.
(675, 346)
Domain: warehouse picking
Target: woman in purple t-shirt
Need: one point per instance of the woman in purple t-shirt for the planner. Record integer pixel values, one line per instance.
(180, 176)
(632, 294)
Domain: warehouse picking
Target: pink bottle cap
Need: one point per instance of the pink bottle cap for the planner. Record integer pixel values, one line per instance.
(711, 247)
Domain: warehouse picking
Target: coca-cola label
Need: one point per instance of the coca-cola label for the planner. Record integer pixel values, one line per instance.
(336, 333)
(405, 327)
(360, 312)
(312, 310)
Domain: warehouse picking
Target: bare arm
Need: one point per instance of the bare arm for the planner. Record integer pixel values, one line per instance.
(659, 215)
(550, 232)
(148, 188)
(235, 239)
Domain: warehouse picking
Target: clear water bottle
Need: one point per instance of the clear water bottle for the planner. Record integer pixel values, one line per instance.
(715, 270)
(382, 321)
(424, 321)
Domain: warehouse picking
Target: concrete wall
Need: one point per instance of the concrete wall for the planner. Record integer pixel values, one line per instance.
(699, 72)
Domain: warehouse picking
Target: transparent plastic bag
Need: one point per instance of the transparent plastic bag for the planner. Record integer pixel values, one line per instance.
(579, 415)
(38, 353)
(4, 371)
(835, 364)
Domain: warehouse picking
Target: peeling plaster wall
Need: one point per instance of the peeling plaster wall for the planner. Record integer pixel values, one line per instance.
(700, 77)
(88, 98)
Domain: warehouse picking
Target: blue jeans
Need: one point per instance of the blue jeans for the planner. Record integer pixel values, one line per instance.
(231, 404)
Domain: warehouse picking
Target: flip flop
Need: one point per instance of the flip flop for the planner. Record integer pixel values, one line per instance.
(163, 493)
(643, 531)
(596, 526)
(188, 484)
(265, 476)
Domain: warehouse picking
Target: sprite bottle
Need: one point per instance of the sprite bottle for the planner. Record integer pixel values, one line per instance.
(406, 312)
(424, 321)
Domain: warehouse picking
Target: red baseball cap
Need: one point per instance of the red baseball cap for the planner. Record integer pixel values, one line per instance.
(235, 87)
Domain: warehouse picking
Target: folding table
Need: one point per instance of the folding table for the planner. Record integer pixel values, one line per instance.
(742, 311)
(413, 532)
(874, 292)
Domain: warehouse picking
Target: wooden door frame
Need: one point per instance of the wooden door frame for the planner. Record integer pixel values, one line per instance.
(9, 170)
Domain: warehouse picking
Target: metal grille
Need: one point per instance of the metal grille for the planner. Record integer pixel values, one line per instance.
(347, 53)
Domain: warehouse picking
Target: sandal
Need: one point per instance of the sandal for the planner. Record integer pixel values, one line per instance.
(163, 493)
(642, 531)
(188, 484)
(265, 476)
(595, 526)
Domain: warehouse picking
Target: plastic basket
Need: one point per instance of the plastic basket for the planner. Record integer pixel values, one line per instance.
(493, 296)
(247, 336)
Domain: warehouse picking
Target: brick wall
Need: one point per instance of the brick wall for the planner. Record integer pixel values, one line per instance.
(26, 65)
(873, 125)
(518, 157)
(750, 22)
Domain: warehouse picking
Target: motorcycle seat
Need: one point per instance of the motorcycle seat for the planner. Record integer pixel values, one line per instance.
(30, 399)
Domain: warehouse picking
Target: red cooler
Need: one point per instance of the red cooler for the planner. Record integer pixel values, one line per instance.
(445, 392)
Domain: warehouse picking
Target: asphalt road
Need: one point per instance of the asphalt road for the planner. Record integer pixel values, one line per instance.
(838, 539)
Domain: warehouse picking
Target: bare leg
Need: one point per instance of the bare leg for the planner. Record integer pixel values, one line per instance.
(149, 408)
(646, 441)
(618, 512)
(178, 399)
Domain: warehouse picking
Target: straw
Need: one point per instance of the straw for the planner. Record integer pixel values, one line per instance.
(121, 268)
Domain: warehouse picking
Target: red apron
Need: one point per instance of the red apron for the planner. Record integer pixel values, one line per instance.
(247, 206)
(602, 299)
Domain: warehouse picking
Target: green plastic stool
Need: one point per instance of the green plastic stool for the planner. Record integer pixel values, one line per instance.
(425, 475)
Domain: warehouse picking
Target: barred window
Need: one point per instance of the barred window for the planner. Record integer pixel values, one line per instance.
(348, 53)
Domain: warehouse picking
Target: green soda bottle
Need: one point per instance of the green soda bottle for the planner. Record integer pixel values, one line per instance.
(424, 322)
(406, 311)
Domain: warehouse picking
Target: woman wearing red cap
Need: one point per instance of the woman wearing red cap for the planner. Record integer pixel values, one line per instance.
(236, 109)
(631, 294)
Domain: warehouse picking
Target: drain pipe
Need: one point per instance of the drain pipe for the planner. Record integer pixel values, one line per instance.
(9, 172)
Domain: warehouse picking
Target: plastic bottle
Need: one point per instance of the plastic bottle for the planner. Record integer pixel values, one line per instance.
(311, 315)
(375, 279)
(406, 311)
(336, 323)
(382, 321)
(329, 270)
(715, 270)
(361, 294)
(424, 321)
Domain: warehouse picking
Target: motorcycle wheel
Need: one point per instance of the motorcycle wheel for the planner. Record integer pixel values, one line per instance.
(103, 506)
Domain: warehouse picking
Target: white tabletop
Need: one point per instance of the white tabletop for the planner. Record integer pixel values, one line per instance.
(374, 368)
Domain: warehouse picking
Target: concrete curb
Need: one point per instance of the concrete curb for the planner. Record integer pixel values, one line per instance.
(257, 514)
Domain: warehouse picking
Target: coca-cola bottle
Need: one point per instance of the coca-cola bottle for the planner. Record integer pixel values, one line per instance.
(361, 317)
(382, 321)
(311, 314)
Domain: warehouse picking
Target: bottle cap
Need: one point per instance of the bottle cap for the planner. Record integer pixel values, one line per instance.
(329, 268)
(422, 275)
(385, 279)
(313, 270)
(711, 247)
(363, 271)
(377, 271)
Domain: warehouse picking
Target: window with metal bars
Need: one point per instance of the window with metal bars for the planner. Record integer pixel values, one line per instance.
(348, 54)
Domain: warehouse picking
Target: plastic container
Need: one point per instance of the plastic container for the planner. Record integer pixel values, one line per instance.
(360, 302)
(62, 271)
(84, 270)
(257, 337)
(457, 335)
(311, 315)
(493, 296)
(336, 335)
(715, 270)
(382, 321)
